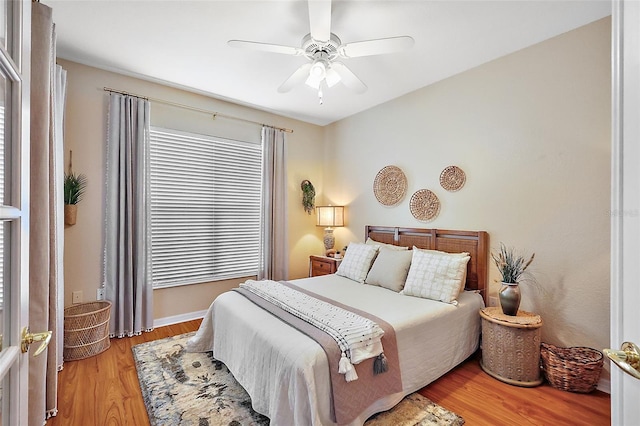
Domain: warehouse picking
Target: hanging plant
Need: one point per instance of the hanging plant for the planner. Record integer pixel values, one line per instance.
(308, 196)
(74, 188)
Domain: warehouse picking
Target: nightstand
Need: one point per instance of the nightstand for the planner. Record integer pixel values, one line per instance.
(322, 265)
(511, 346)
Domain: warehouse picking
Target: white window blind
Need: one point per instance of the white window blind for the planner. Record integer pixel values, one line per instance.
(205, 195)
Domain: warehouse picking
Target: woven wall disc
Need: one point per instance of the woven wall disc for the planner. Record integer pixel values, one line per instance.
(452, 178)
(424, 205)
(390, 185)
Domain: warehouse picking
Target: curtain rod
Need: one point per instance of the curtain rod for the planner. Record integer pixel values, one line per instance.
(204, 111)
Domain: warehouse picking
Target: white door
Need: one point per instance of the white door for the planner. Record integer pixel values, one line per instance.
(15, 52)
(625, 217)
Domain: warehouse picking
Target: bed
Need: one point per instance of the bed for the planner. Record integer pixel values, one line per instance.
(286, 373)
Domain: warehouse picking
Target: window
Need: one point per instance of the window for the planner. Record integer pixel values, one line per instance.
(205, 197)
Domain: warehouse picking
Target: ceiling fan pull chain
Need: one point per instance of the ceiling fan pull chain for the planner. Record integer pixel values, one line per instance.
(320, 95)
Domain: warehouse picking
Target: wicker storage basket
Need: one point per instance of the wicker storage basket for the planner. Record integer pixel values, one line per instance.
(574, 369)
(86, 330)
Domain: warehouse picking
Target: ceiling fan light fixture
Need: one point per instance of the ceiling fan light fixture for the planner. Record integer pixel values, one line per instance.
(332, 78)
(322, 72)
(313, 82)
(318, 69)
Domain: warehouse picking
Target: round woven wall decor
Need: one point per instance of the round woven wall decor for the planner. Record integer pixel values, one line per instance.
(452, 178)
(390, 185)
(424, 205)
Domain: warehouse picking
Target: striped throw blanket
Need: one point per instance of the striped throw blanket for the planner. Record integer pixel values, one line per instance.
(357, 337)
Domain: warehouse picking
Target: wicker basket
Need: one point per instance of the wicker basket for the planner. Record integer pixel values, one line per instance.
(86, 330)
(574, 369)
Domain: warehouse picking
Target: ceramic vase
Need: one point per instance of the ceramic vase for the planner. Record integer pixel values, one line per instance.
(510, 298)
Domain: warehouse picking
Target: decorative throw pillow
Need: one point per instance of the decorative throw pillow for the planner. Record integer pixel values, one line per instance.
(390, 269)
(463, 254)
(385, 245)
(357, 261)
(436, 275)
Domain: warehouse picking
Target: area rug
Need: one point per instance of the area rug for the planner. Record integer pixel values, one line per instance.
(181, 388)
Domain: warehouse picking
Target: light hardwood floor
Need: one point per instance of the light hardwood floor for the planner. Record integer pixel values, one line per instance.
(104, 390)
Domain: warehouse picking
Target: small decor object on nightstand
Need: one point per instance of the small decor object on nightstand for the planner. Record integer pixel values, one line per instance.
(452, 178)
(511, 266)
(424, 205)
(329, 217)
(390, 185)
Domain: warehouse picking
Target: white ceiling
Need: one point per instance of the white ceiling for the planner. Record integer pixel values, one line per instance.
(183, 44)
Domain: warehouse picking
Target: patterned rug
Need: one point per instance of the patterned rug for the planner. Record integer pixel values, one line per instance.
(181, 389)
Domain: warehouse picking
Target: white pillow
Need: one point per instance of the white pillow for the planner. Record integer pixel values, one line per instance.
(385, 245)
(436, 275)
(390, 269)
(463, 254)
(357, 261)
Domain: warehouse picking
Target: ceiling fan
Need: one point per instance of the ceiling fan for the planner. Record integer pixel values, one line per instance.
(323, 49)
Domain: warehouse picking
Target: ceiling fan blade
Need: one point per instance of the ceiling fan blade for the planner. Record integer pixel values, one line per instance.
(375, 47)
(266, 47)
(320, 19)
(298, 76)
(348, 78)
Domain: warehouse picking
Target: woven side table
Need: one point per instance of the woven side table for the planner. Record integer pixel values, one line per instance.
(511, 346)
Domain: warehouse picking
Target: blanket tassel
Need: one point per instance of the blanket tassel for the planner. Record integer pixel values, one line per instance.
(345, 367)
(351, 374)
(380, 364)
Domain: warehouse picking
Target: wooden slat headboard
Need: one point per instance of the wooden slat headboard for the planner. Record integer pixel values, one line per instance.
(476, 243)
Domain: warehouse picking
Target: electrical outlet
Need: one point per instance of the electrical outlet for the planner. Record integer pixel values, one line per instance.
(100, 293)
(493, 301)
(76, 297)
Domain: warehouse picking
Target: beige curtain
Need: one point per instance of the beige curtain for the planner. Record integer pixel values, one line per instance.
(274, 264)
(46, 218)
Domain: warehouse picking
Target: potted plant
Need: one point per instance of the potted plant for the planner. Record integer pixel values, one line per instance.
(74, 187)
(511, 266)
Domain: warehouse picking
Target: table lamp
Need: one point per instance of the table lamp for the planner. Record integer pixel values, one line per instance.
(329, 217)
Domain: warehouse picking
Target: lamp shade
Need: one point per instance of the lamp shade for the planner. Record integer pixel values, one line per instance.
(329, 216)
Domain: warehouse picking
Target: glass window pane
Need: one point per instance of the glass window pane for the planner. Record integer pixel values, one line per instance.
(4, 402)
(5, 139)
(2, 410)
(5, 264)
(4, 22)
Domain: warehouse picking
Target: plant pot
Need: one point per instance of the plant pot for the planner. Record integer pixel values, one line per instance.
(70, 214)
(510, 298)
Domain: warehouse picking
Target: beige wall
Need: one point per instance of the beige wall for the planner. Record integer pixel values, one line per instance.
(532, 132)
(85, 129)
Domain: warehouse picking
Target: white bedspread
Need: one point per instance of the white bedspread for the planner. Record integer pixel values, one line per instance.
(286, 373)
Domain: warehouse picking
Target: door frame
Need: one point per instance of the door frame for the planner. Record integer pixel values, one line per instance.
(625, 202)
(19, 47)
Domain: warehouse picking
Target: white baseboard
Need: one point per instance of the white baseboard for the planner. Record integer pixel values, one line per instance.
(160, 322)
(604, 385)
